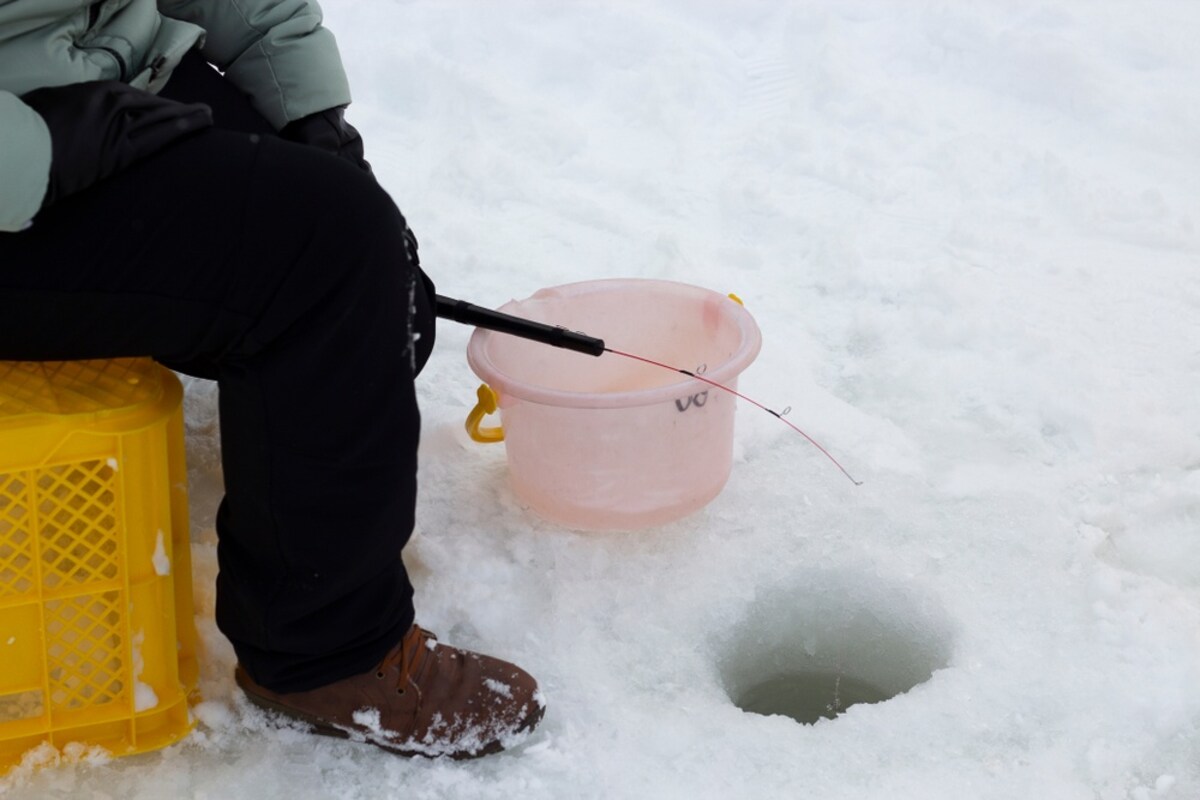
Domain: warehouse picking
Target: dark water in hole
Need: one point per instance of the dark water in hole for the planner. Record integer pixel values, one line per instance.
(809, 696)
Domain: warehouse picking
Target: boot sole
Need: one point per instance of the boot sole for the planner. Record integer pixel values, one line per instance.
(323, 728)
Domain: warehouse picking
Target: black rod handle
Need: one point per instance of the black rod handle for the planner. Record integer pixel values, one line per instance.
(469, 314)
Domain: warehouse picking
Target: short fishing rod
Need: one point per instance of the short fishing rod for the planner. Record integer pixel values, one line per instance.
(553, 335)
(470, 314)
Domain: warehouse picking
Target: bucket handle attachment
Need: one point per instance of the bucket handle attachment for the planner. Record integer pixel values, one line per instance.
(487, 405)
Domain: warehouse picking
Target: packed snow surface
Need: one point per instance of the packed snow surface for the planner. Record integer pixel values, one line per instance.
(968, 232)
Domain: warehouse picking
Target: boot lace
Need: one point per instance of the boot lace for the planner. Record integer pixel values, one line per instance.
(410, 658)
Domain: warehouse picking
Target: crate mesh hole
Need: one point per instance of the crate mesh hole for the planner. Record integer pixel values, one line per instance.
(79, 530)
(21, 705)
(84, 660)
(17, 567)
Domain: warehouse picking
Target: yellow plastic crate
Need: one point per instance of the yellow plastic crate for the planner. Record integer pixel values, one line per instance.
(97, 639)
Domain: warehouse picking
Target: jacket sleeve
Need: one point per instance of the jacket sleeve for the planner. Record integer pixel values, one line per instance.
(24, 162)
(276, 51)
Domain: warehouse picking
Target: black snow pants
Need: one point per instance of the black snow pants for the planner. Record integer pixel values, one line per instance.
(282, 273)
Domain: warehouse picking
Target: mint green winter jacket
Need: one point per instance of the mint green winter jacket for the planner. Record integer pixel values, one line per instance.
(276, 51)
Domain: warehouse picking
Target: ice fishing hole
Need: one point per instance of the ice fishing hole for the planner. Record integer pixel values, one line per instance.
(809, 696)
(841, 641)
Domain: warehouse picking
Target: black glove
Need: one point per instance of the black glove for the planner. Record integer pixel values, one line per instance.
(329, 131)
(99, 128)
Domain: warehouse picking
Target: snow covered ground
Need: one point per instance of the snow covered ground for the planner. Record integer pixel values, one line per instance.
(968, 232)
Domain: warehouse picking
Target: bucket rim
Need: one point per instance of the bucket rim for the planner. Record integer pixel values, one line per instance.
(747, 350)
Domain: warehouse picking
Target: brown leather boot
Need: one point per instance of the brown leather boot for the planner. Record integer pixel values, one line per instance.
(423, 699)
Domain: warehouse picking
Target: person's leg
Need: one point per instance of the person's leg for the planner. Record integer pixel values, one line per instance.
(284, 272)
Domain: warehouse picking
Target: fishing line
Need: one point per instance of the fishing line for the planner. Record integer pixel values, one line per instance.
(777, 414)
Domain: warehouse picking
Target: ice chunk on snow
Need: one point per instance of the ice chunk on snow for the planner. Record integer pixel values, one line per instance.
(144, 696)
(369, 718)
(215, 714)
(162, 564)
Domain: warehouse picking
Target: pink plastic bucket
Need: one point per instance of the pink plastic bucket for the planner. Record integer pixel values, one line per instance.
(609, 442)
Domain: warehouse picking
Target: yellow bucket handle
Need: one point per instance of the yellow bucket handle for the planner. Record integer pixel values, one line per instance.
(487, 405)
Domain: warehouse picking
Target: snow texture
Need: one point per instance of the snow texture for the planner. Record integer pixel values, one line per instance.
(968, 232)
